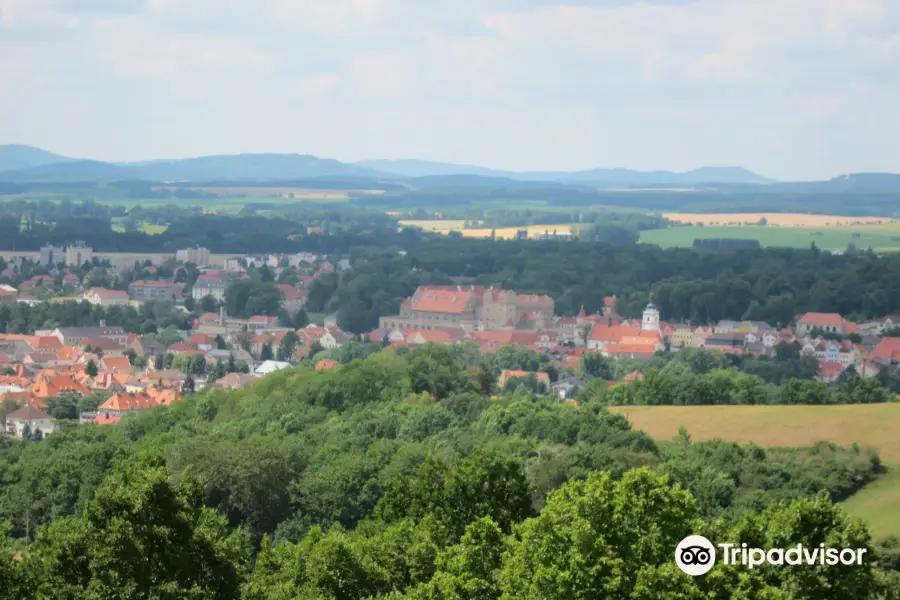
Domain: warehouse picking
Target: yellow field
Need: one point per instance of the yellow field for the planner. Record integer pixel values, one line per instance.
(871, 425)
(446, 226)
(779, 219)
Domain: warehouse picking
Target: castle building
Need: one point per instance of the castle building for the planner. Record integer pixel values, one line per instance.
(473, 308)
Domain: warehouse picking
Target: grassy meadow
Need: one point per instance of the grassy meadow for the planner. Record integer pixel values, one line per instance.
(877, 237)
(872, 425)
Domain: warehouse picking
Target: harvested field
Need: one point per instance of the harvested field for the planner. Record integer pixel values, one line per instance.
(872, 425)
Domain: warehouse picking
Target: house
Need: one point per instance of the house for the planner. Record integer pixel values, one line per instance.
(181, 348)
(115, 364)
(733, 339)
(830, 371)
(154, 290)
(270, 366)
(144, 346)
(105, 297)
(123, 402)
(21, 397)
(105, 418)
(210, 285)
(261, 323)
(76, 336)
(105, 346)
(235, 380)
(826, 322)
(48, 385)
(887, 352)
(324, 365)
(202, 342)
(293, 299)
(508, 374)
(603, 334)
(31, 419)
(334, 338)
(682, 337)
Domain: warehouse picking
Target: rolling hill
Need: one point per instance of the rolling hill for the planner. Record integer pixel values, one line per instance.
(599, 177)
(19, 156)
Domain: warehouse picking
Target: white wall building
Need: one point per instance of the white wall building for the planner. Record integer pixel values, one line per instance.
(34, 418)
(198, 256)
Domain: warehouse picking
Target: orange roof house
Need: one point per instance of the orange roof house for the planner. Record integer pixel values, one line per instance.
(507, 374)
(115, 364)
(51, 386)
(887, 351)
(443, 301)
(324, 365)
(24, 398)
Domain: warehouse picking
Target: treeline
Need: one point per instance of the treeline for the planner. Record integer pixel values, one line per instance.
(397, 477)
(679, 386)
(772, 285)
(151, 317)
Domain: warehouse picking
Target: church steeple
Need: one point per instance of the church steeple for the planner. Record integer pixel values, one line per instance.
(650, 321)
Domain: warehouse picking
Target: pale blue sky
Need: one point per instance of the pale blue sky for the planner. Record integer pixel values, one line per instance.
(793, 89)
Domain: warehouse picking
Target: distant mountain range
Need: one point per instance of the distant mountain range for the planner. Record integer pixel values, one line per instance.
(600, 177)
(21, 164)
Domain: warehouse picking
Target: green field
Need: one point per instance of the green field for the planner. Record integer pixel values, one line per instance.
(871, 425)
(826, 238)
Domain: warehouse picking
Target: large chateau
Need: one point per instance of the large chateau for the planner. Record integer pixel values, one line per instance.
(474, 308)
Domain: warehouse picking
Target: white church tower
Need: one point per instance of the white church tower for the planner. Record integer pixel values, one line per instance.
(651, 317)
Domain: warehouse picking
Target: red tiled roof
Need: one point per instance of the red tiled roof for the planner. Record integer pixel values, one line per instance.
(106, 419)
(821, 319)
(115, 363)
(604, 333)
(888, 349)
(442, 301)
(326, 364)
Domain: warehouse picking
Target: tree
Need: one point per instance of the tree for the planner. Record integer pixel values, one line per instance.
(140, 536)
(220, 342)
(266, 352)
(208, 304)
(159, 362)
(91, 368)
(131, 355)
(188, 386)
(286, 348)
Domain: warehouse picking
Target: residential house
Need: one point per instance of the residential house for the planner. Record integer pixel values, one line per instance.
(115, 364)
(51, 385)
(293, 299)
(31, 419)
(325, 364)
(826, 322)
(144, 346)
(887, 352)
(210, 285)
(270, 366)
(334, 338)
(507, 374)
(733, 339)
(154, 290)
(105, 346)
(202, 341)
(76, 336)
(830, 371)
(182, 348)
(105, 297)
(260, 323)
(682, 337)
(235, 380)
(124, 403)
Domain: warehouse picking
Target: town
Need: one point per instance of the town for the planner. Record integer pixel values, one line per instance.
(100, 372)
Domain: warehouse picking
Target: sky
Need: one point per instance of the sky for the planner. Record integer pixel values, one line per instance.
(792, 89)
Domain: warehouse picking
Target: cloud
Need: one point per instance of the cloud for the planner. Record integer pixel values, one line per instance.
(793, 88)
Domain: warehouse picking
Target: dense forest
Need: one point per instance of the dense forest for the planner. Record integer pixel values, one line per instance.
(397, 477)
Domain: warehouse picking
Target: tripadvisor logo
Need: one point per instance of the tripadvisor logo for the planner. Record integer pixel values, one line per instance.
(696, 555)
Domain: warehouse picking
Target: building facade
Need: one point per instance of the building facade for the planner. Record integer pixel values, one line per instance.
(198, 256)
(51, 255)
(78, 254)
(473, 308)
(154, 290)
